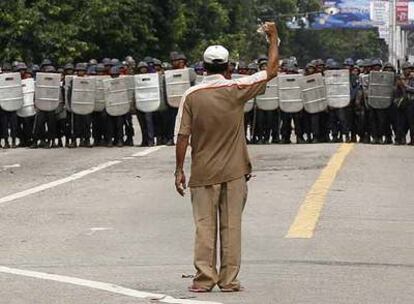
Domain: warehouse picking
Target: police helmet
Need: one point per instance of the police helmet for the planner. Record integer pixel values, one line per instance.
(68, 66)
(181, 56)
(157, 62)
(389, 65)
(100, 67)
(349, 62)
(93, 62)
(46, 62)
(142, 64)
(115, 71)
(333, 65)
(262, 58)
(6, 67)
(376, 62)
(166, 66)
(21, 66)
(81, 66)
(49, 69)
(115, 62)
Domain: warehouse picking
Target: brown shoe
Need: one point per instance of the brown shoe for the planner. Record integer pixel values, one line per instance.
(196, 289)
(232, 289)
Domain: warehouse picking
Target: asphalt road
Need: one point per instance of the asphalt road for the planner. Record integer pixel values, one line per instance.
(120, 222)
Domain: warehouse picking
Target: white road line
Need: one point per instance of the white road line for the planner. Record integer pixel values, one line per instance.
(11, 166)
(116, 289)
(40, 188)
(97, 229)
(148, 151)
(58, 182)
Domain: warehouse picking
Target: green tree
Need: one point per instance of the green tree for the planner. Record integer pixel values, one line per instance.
(65, 30)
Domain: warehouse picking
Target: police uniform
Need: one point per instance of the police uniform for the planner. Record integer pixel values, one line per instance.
(8, 119)
(45, 121)
(288, 118)
(25, 123)
(80, 124)
(338, 117)
(405, 105)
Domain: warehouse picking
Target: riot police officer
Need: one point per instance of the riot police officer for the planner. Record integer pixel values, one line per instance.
(25, 123)
(338, 117)
(146, 119)
(312, 121)
(45, 119)
(380, 122)
(405, 105)
(81, 124)
(115, 123)
(8, 120)
(289, 118)
(161, 116)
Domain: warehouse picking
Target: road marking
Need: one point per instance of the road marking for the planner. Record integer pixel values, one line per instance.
(96, 229)
(148, 151)
(76, 176)
(307, 218)
(112, 288)
(58, 182)
(11, 166)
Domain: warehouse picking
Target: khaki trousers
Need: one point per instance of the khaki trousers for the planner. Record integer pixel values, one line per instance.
(218, 207)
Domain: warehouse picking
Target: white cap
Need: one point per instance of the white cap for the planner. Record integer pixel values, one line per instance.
(216, 54)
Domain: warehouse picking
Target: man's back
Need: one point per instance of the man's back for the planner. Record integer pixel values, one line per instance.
(212, 113)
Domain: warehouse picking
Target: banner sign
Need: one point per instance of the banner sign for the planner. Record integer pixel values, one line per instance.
(354, 14)
(358, 14)
(402, 12)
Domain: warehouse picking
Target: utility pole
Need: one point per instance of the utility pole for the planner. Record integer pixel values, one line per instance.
(393, 37)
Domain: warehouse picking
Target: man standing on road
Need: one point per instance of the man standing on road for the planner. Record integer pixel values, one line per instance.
(212, 116)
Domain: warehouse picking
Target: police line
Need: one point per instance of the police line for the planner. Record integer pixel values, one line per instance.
(84, 95)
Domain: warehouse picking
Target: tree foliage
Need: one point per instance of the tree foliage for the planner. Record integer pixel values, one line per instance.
(72, 30)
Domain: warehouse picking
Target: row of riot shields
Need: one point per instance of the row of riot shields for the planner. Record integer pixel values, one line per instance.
(145, 92)
(315, 93)
(84, 95)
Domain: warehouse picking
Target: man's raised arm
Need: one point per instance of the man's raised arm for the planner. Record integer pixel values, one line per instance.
(273, 63)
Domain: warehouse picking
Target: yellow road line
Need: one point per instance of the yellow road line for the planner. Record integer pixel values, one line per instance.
(308, 215)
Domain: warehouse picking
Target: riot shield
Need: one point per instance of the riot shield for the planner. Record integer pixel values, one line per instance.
(83, 95)
(116, 96)
(269, 101)
(47, 91)
(147, 92)
(338, 88)
(130, 87)
(177, 83)
(290, 93)
(199, 79)
(249, 105)
(314, 94)
(381, 89)
(100, 93)
(28, 109)
(11, 92)
(67, 89)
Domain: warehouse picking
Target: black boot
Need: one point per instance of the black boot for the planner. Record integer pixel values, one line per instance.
(129, 142)
(13, 145)
(300, 140)
(72, 144)
(88, 143)
(6, 144)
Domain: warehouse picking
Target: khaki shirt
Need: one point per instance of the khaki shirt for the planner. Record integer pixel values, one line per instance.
(212, 113)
